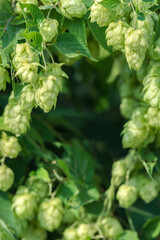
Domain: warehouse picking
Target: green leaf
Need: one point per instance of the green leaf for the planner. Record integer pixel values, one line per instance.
(147, 0)
(5, 14)
(157, 31)
(88, 3)
(141, 16)
(33, 15)
(17, 89)
(76, 27)
(152, 228)
(88, 194)
(110, 4)
(99, 34)
(5, 210)
(72, 46)
(41, 173)
(68, 191)
(5, 232)
(35, 39)
(128, 235)
(149, 161)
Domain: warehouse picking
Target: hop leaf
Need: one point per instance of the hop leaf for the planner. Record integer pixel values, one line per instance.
(126, 195)
(6, 178)
(72, 9)
(50, 214)
(9, 146)
(4, 78)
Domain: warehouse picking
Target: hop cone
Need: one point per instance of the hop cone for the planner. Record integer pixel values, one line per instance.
(4, 78)
(115, 34)
(50, 214)
(72, 8)
(18, 8)
(143, 5)
(9, 146)
(6, 178)
(101, 14)
(70, 234)
(15, 119)
(136, 44)
(27, 72)
(148, 190)
(119, 171)
(24, 204)
(39, 186)
(110, 227)
(26, 99)
(49, 29)
(84, 231)
(126, 195)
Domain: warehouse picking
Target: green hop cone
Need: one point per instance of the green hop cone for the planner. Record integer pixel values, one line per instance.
(49, 29)
(115, 34)
(39, 186)
(9, 146)
(155, 51)
(119, 171)
(15, 119)
(110, 227)
(22, 54)
(34, 232)
(27, 72)
(50, 214)
(148, 190)
(70, 234)
(24, 203)
(126, 195)
(6, 178)
(72, 9)
(85, 231)
(101, 14)
(26, 99)
(4, 78)
(70, 215)
(136, 44)
(18, 8)
(153, 117)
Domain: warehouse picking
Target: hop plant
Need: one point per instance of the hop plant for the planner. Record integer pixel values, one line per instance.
(39, 186)
(100, 14)
(70, 234)
(72, 9)
(153, 117)
(15, 119)
(28, 72)
(4, 78)
(126, 195)
(49, 29)
(119, 171)
(24, 203)
(6, 178)
(9, 146)
(84, 231)
(50, 214)
(26, 99)
(115, 34)
(136, 44)
(110, 227)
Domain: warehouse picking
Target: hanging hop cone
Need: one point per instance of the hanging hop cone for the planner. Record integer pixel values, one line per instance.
(50, 214)
(72, 9)
(85, 231)
(136, 44)
(26, 99)
(70, 234)
(4, 78)
(110, 227)
(101, 14)
(9, 146)
(126, 195)
(49, 29)
(6, 178)
(24, 203)
(115, 35)
(15, 119)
